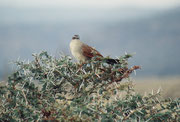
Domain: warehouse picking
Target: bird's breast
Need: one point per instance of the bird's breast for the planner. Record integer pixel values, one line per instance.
(76, 50)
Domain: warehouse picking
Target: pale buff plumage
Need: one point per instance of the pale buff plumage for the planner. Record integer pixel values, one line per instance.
(81, 51)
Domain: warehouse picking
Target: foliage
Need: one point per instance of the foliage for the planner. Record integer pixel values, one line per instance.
(60, 90)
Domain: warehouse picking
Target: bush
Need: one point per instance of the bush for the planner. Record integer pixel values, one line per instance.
(50, 89)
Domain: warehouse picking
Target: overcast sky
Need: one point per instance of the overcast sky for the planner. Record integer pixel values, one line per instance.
(91, 3)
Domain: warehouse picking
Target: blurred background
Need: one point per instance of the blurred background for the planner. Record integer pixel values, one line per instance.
(149, 29)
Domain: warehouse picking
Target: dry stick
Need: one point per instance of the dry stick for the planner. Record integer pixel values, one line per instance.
(25, 97)
(126, 74)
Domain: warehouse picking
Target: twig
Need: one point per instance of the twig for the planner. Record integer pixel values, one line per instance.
(25, 97)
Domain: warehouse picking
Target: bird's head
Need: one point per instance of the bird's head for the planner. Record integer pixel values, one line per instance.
(76, 37)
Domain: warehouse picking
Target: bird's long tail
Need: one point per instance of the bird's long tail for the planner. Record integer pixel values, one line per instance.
(112, 61)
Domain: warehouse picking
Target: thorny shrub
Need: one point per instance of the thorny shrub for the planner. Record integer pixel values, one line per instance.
(50, 89)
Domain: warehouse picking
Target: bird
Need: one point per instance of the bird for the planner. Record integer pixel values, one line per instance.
(83, 52)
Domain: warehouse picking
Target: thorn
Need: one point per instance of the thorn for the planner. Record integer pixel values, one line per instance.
(159, 90)
(135, 72)
(81, 85)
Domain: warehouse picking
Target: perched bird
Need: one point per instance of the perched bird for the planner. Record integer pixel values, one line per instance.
(82, 52)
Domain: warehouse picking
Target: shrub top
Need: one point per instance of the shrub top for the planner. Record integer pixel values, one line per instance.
(62, 90)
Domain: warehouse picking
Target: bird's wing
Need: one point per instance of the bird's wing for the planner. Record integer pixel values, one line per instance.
(89, 52)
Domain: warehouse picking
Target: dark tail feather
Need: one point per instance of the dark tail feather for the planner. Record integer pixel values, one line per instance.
(112, 61)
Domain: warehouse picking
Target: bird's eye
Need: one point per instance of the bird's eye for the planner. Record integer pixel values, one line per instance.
(75, 37)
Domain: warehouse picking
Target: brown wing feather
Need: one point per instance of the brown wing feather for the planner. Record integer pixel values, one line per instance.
(90, 52)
